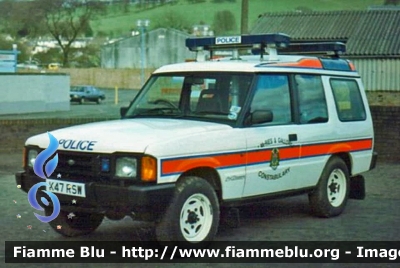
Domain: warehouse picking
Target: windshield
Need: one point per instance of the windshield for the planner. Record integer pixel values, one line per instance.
(205, 96)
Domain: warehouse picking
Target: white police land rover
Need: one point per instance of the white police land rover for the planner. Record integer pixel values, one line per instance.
(202, 137)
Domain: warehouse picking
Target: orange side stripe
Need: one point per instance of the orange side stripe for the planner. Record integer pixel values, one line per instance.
(320, 149)
(265, 155)
(306, 63)
(180, 165)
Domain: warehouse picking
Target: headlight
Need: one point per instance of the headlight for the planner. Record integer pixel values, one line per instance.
(32, 154)
(126, 167)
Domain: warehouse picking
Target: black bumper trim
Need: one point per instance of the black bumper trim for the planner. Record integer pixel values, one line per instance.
(101, 198)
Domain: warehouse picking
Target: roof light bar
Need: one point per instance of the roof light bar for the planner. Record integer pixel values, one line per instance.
(237, 42)
(263, 43)
(315, 48)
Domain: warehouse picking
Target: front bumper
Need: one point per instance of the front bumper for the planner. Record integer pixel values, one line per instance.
(75, 98)
(100, 198)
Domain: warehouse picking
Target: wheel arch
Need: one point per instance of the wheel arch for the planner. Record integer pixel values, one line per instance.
(346, 157)
(207, 173)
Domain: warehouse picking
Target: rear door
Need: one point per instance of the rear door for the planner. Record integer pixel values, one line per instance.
(315, 130)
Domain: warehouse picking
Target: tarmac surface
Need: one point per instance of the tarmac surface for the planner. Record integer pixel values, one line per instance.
(376, 218)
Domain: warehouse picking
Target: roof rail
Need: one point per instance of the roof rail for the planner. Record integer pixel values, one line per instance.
(234, 43)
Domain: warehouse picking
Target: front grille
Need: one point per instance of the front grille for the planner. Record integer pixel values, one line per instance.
(80, 167)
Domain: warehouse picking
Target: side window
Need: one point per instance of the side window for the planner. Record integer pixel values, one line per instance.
(272, 94)
(312, 102)
(349, 104)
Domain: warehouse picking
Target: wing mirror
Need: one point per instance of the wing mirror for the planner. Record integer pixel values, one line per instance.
(260, 117)
(123, 110)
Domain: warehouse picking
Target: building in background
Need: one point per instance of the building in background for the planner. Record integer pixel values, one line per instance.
(372, 38)
(8, 60)
(163, 46)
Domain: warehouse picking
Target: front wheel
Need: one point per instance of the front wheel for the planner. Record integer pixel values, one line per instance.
(193, 215)
(75, 223)
(332, 192)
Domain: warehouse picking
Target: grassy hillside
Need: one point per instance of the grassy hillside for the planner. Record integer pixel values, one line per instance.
(118, 22)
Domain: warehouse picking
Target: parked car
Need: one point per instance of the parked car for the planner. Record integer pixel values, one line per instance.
(28, 66)
(54, 66)
(83, 94)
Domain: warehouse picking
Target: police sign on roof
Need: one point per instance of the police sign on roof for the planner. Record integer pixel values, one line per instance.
(228, 40)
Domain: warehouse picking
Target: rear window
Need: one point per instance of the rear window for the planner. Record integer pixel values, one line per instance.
(349, 104)
(312, 102)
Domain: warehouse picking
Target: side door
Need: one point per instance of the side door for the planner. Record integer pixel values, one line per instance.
(88, 93)
(273, 148)
(316, 131)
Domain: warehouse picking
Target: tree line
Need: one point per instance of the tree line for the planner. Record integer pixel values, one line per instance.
(63, 20)
(67, 20)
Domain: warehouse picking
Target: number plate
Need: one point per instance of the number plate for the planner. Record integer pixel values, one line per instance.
(66, 187)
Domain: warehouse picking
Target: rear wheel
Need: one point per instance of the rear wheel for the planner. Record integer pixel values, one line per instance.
(75, 223)
(98, 101)
(193, 215)
(332, 192)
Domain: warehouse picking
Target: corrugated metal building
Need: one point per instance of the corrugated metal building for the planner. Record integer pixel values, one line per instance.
(162, 46)
(372, 39)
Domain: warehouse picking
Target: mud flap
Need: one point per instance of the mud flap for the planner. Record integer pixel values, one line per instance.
(230, 217)
(357, 187)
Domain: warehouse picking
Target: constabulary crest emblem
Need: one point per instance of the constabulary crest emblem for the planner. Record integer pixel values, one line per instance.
(274, 158)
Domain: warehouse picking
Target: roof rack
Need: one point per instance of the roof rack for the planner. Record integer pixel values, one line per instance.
(263, 43)
(234, 43)
(328, 48)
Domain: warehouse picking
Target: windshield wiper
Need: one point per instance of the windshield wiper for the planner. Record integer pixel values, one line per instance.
(158, 111)
(211, 112)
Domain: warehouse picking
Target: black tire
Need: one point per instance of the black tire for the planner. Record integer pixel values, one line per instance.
(76, 223)
(98, 101)
(332, 192)
(192, 217)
